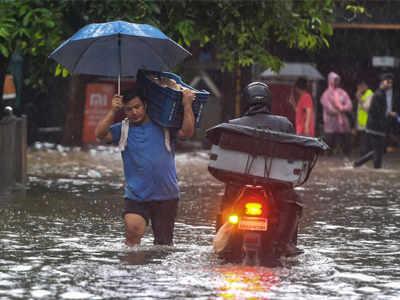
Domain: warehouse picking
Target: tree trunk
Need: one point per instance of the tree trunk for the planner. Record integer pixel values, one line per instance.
(75, 111)
(245, 79)
(238, 90)
(228, 96)
(233, 105)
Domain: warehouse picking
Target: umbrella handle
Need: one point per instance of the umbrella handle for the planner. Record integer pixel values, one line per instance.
(119, 84)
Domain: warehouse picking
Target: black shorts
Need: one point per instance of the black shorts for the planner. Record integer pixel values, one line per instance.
(161, 213)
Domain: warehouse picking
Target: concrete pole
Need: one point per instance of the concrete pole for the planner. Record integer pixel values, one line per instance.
(20, 150)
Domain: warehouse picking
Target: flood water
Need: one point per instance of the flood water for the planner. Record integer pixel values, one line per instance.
(63, 237)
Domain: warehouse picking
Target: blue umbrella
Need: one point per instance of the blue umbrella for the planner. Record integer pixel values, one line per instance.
(118, 49)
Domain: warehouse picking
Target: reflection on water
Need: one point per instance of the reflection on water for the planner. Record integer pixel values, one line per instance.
(246, 282)
(62, 238)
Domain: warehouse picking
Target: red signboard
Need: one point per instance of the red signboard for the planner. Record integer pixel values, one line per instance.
(98, 103)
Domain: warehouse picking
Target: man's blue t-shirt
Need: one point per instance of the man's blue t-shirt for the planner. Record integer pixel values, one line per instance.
(149, 168)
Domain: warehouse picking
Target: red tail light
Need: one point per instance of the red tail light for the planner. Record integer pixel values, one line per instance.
(253, 208)
(251, 204)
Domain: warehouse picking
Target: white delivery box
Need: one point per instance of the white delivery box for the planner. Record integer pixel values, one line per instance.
(229, 162)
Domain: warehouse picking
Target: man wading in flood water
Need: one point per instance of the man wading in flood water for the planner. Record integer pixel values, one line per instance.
(148, 155)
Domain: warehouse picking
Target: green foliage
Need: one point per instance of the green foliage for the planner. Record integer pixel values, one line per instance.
(61, 71)
(244, 32)
(36, 27)
(29, 27)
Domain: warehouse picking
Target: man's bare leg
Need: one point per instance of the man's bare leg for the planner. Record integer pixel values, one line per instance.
(135, 226)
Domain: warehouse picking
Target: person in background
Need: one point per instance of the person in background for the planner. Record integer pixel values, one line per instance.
(304, 109)
(377, 124)
(393, 126)
(336, 104)
(148, 155)
(363, 96)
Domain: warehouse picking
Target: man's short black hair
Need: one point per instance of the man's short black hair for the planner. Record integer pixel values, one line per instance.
(301, 83)
(131, 93)
(387, 76)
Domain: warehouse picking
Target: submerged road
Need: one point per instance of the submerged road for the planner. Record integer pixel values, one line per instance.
(63, 237)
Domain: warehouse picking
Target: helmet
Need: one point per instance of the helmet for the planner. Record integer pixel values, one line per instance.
(258, 93)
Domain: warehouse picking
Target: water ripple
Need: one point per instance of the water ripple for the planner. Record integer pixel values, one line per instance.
(64, 238)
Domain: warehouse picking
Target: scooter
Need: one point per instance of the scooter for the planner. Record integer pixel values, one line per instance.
(258, 162)
(253, 221)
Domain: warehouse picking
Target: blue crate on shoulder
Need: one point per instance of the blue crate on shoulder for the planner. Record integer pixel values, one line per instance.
(164, 104)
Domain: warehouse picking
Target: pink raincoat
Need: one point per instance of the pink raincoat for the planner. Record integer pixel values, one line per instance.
(336, 103)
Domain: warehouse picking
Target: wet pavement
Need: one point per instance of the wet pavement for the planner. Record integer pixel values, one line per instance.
(62, 237)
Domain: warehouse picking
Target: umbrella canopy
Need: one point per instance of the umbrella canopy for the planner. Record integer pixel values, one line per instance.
(294, 70)
(118, 48)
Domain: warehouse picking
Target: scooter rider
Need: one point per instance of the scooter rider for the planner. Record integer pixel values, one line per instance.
(258, 115)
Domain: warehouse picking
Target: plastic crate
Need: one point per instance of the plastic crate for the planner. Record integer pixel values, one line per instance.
(164, 104)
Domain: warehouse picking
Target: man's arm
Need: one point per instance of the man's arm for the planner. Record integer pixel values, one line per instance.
(327, 105)
(366, 104)
(102, 130)
(308, 120)
(187, 129)
(348, 105)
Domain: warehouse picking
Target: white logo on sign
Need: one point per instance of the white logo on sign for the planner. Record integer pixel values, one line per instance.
(98, 100)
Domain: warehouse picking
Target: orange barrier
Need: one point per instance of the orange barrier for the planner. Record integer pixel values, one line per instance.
(9, 91)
